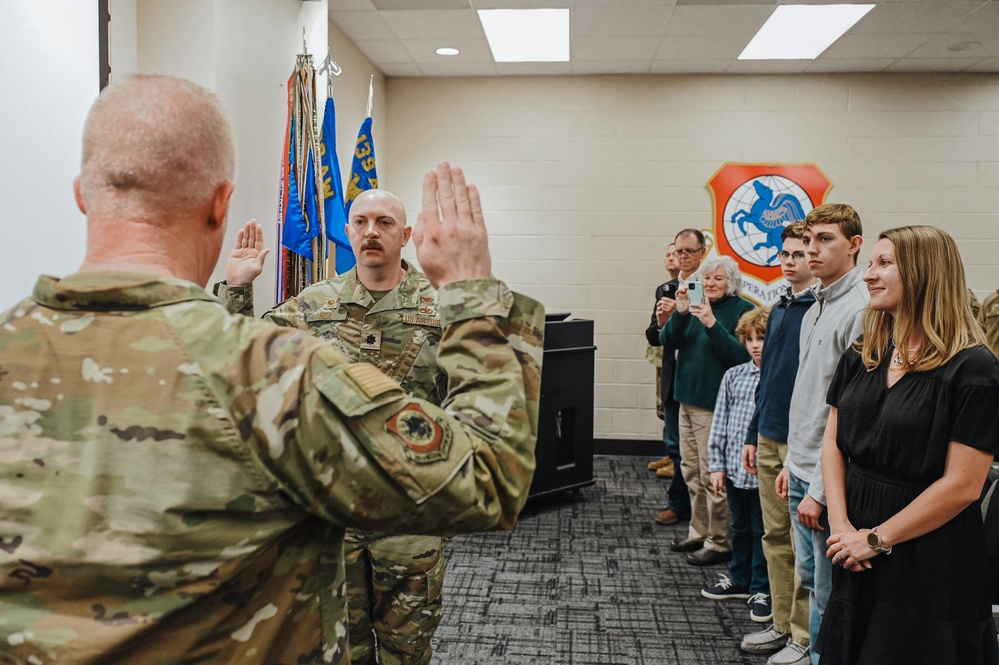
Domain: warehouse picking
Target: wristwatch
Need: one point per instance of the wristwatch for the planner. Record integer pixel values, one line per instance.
(874, 541)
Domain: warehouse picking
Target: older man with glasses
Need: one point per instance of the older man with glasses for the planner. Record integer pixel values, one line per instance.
(687, 252)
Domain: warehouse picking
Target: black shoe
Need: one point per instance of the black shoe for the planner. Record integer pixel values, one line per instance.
(706, 557)
(686, 545)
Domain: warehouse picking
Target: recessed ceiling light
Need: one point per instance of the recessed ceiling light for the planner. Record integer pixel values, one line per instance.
(802, 32)
(447, 50)
(964, 46)
(527, 35)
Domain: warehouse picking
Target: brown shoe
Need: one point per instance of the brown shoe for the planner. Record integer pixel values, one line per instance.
(706, 557)
(666, 471)
(660, 463)
(668, 517)
(686, 545)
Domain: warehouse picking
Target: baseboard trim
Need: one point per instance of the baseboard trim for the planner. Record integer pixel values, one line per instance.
(636, 447)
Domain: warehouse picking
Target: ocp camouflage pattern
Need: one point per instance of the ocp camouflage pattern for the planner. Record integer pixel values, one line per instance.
(394, 582)
(169, 473)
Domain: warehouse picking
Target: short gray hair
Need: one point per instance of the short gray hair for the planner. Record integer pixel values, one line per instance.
(713, 263)
(155, 143)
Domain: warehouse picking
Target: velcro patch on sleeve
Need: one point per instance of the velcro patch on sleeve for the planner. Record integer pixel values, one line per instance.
(372, 382)
(425, 439)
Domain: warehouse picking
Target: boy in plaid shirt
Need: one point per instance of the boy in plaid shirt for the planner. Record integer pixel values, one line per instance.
(733, 411)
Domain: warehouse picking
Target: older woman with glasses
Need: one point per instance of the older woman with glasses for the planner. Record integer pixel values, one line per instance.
(704, 336)
(908, 445)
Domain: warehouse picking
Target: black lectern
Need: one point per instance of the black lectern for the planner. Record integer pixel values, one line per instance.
(565, 429)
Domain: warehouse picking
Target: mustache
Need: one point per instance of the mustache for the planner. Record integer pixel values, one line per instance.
(371, 244)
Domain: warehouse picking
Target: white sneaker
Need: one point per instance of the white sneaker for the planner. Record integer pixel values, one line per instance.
(764, 642)
(792, 654)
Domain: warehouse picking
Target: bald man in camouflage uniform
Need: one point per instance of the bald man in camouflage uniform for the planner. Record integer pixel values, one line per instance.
(176, 481)
(384, 312)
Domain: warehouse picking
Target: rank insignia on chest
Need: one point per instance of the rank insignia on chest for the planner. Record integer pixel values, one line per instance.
(427, 311)
(425, 439)
(332, 303)
(371, 339)
(426, 299)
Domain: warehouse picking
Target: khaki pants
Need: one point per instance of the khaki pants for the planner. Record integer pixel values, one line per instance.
(709, 516)
(787, 597)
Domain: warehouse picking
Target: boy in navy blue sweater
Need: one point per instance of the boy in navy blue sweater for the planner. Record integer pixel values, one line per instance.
(764, 452)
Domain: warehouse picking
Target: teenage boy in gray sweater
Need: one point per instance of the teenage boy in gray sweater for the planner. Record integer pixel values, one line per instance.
(833, 236)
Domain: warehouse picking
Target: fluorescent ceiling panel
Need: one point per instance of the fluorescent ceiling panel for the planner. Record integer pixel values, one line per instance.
(527, 35)
(802, 32)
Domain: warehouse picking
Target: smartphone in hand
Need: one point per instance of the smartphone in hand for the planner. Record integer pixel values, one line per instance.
(669, 291)
(695, 291)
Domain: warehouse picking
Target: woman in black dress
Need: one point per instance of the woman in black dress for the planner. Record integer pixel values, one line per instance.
(911, 435)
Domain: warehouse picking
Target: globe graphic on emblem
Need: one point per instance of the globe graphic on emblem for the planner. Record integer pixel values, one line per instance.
(753, 245)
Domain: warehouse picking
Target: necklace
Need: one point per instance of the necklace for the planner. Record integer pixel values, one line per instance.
(896, 357)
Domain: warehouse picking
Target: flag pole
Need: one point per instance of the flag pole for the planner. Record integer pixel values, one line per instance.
(371, 94)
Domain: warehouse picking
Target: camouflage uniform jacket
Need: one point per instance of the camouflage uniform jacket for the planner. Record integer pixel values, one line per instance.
(399, 333)
(989, 318)
(170, 474)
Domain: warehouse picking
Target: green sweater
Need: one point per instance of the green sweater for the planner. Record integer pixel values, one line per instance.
(704, 354)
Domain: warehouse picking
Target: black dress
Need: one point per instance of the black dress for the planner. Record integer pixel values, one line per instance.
(927, 601)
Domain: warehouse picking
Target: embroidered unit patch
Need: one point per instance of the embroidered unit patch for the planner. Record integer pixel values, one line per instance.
(425, 439)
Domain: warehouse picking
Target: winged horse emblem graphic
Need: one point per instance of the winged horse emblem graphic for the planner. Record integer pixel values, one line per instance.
(770, 214)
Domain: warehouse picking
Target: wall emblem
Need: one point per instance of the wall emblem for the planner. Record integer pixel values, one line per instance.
(752, 205)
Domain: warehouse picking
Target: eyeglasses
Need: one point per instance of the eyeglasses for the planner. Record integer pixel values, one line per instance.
(796, 256)
(686, 252)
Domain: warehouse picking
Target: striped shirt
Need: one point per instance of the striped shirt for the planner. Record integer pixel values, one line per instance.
(733, 411)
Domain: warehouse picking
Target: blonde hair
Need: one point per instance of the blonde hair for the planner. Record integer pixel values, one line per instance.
(934, 299)
(755, 320)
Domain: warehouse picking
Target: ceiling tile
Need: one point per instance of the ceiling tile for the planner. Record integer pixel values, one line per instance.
(383, 51)
(434, 23)
(471, 50)
(362, 25)
(401, 69)
(937, 46)
(767, 66)
(895, 18)
(932, 64)
(459, 69)
(874, 46)
(706, 66)
(533, 68)
(350, 5)
(611, 67)
(822, 66)
(419, 4)
(985, 19)
(524, 4)
(986, 65)
(612, 22)
(611, 48)
(718, 21)
(684, 47)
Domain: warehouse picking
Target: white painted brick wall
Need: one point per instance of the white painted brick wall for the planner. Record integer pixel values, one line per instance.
(585, 179)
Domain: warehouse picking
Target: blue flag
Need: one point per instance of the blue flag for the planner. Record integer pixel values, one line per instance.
(333, 203)
(301, 224)
(362, 171)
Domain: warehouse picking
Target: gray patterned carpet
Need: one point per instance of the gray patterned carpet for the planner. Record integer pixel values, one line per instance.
(587, 579)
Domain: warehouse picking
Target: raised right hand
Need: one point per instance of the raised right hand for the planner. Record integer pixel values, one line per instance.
(246, 261)
(450, 234)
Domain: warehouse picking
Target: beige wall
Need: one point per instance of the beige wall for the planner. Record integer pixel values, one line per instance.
(585, 179)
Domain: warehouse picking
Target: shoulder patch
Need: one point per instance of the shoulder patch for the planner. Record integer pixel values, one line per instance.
(370, 379)
(425, 439)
